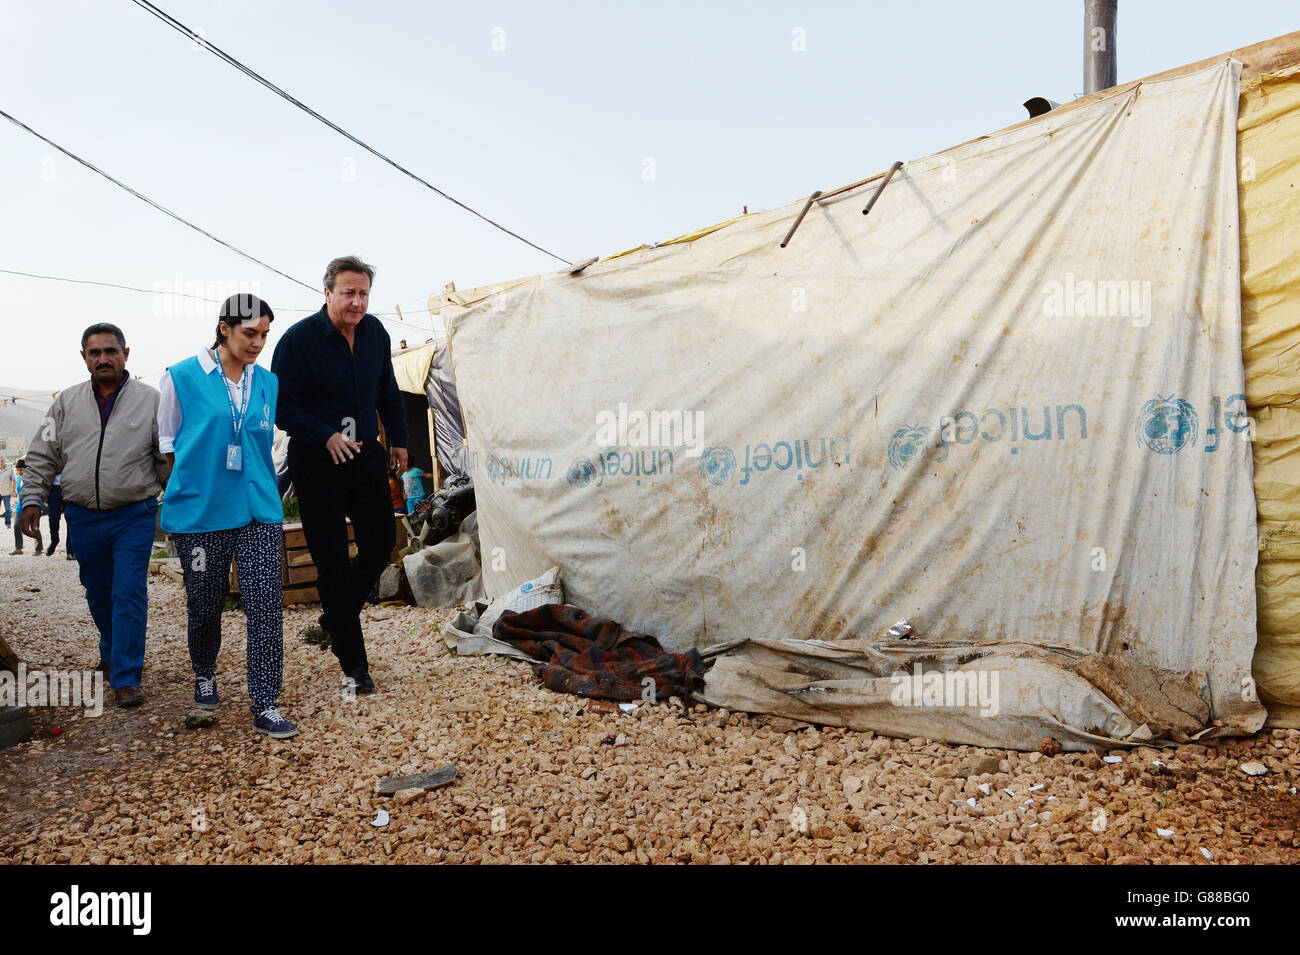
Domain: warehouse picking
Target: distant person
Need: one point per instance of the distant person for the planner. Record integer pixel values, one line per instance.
(413, 488)
(20, 468)
(7, 487)
(102, 437)
(216, 419)
(336, 382)
(395, 493)
(55, 511)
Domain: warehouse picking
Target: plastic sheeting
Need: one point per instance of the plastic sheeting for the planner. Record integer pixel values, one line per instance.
(427, 371)
(448, 432)
(1005, 406)
(447, 574)
(1003, 694)
(1269, 147)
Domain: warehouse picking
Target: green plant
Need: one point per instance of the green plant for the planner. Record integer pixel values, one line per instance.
(315, 636)
(291, 512)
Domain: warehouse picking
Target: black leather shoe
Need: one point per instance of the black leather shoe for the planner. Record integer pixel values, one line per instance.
(360, 682)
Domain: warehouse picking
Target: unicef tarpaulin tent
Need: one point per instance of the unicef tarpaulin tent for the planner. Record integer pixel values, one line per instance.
(1008, 406)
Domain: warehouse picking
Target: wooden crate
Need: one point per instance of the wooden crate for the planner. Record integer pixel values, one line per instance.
(299, 571)
(8, 658)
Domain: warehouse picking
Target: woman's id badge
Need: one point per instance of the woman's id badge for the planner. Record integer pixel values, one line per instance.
(234, 458)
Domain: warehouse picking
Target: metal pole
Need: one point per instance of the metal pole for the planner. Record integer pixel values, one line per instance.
(799, 218)
(881, 188)
(1099, 63)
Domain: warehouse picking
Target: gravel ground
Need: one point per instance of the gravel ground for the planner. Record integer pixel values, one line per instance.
(542, 779)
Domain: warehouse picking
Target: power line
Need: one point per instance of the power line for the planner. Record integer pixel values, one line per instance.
(128, 288)
(251, 74)
(133, 288)
(144, 198)
(56, 278)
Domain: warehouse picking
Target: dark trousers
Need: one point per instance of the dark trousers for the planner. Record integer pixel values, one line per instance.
(113, 548)
(55, 513)
(327, 494)
(205, 560)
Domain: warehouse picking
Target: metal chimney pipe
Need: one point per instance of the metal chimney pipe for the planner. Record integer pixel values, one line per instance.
(1099, 64)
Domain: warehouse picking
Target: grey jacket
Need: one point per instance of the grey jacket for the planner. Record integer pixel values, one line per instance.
(102, 468)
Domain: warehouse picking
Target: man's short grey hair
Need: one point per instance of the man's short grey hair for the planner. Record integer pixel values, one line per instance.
(347, 263)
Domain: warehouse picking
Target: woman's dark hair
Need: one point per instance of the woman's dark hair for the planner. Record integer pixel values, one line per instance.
(243, 307)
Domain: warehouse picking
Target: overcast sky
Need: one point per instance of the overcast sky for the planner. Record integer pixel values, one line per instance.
(587, 127)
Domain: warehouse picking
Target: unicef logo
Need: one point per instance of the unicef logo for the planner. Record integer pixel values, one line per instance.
(1167, 425)
(718, 464)
(581, 472)
(906, 444)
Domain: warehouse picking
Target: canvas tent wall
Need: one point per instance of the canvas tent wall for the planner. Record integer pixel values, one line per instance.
(535, 506)
(1269, 147)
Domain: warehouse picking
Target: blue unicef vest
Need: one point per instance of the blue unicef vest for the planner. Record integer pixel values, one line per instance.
(202, 494)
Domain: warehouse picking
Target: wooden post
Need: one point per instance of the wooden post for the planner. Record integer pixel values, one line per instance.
(8, 659)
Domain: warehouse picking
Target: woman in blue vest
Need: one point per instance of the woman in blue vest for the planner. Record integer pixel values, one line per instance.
(216, 420)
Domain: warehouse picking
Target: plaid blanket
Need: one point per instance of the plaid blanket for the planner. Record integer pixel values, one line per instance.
(595, 657)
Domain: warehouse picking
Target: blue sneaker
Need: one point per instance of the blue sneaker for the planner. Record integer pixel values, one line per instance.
(205, 693)
(271, 723)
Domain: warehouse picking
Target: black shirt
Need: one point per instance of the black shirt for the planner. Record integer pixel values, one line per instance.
(324, 383)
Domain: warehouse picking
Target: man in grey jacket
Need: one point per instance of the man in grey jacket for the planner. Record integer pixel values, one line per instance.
(102, 436)
(7, 485)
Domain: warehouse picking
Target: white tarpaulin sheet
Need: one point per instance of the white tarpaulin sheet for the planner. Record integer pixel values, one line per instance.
(1005, 406)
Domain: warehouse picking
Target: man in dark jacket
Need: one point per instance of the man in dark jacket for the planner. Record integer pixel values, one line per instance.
(336, 383)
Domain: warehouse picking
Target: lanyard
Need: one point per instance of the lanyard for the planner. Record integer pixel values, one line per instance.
(236, 417)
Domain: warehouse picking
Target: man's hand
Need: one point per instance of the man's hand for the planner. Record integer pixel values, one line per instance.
(397, 462)
(341, 449)
(32, 521)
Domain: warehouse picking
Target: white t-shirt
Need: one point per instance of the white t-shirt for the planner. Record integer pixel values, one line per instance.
(169, 407)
